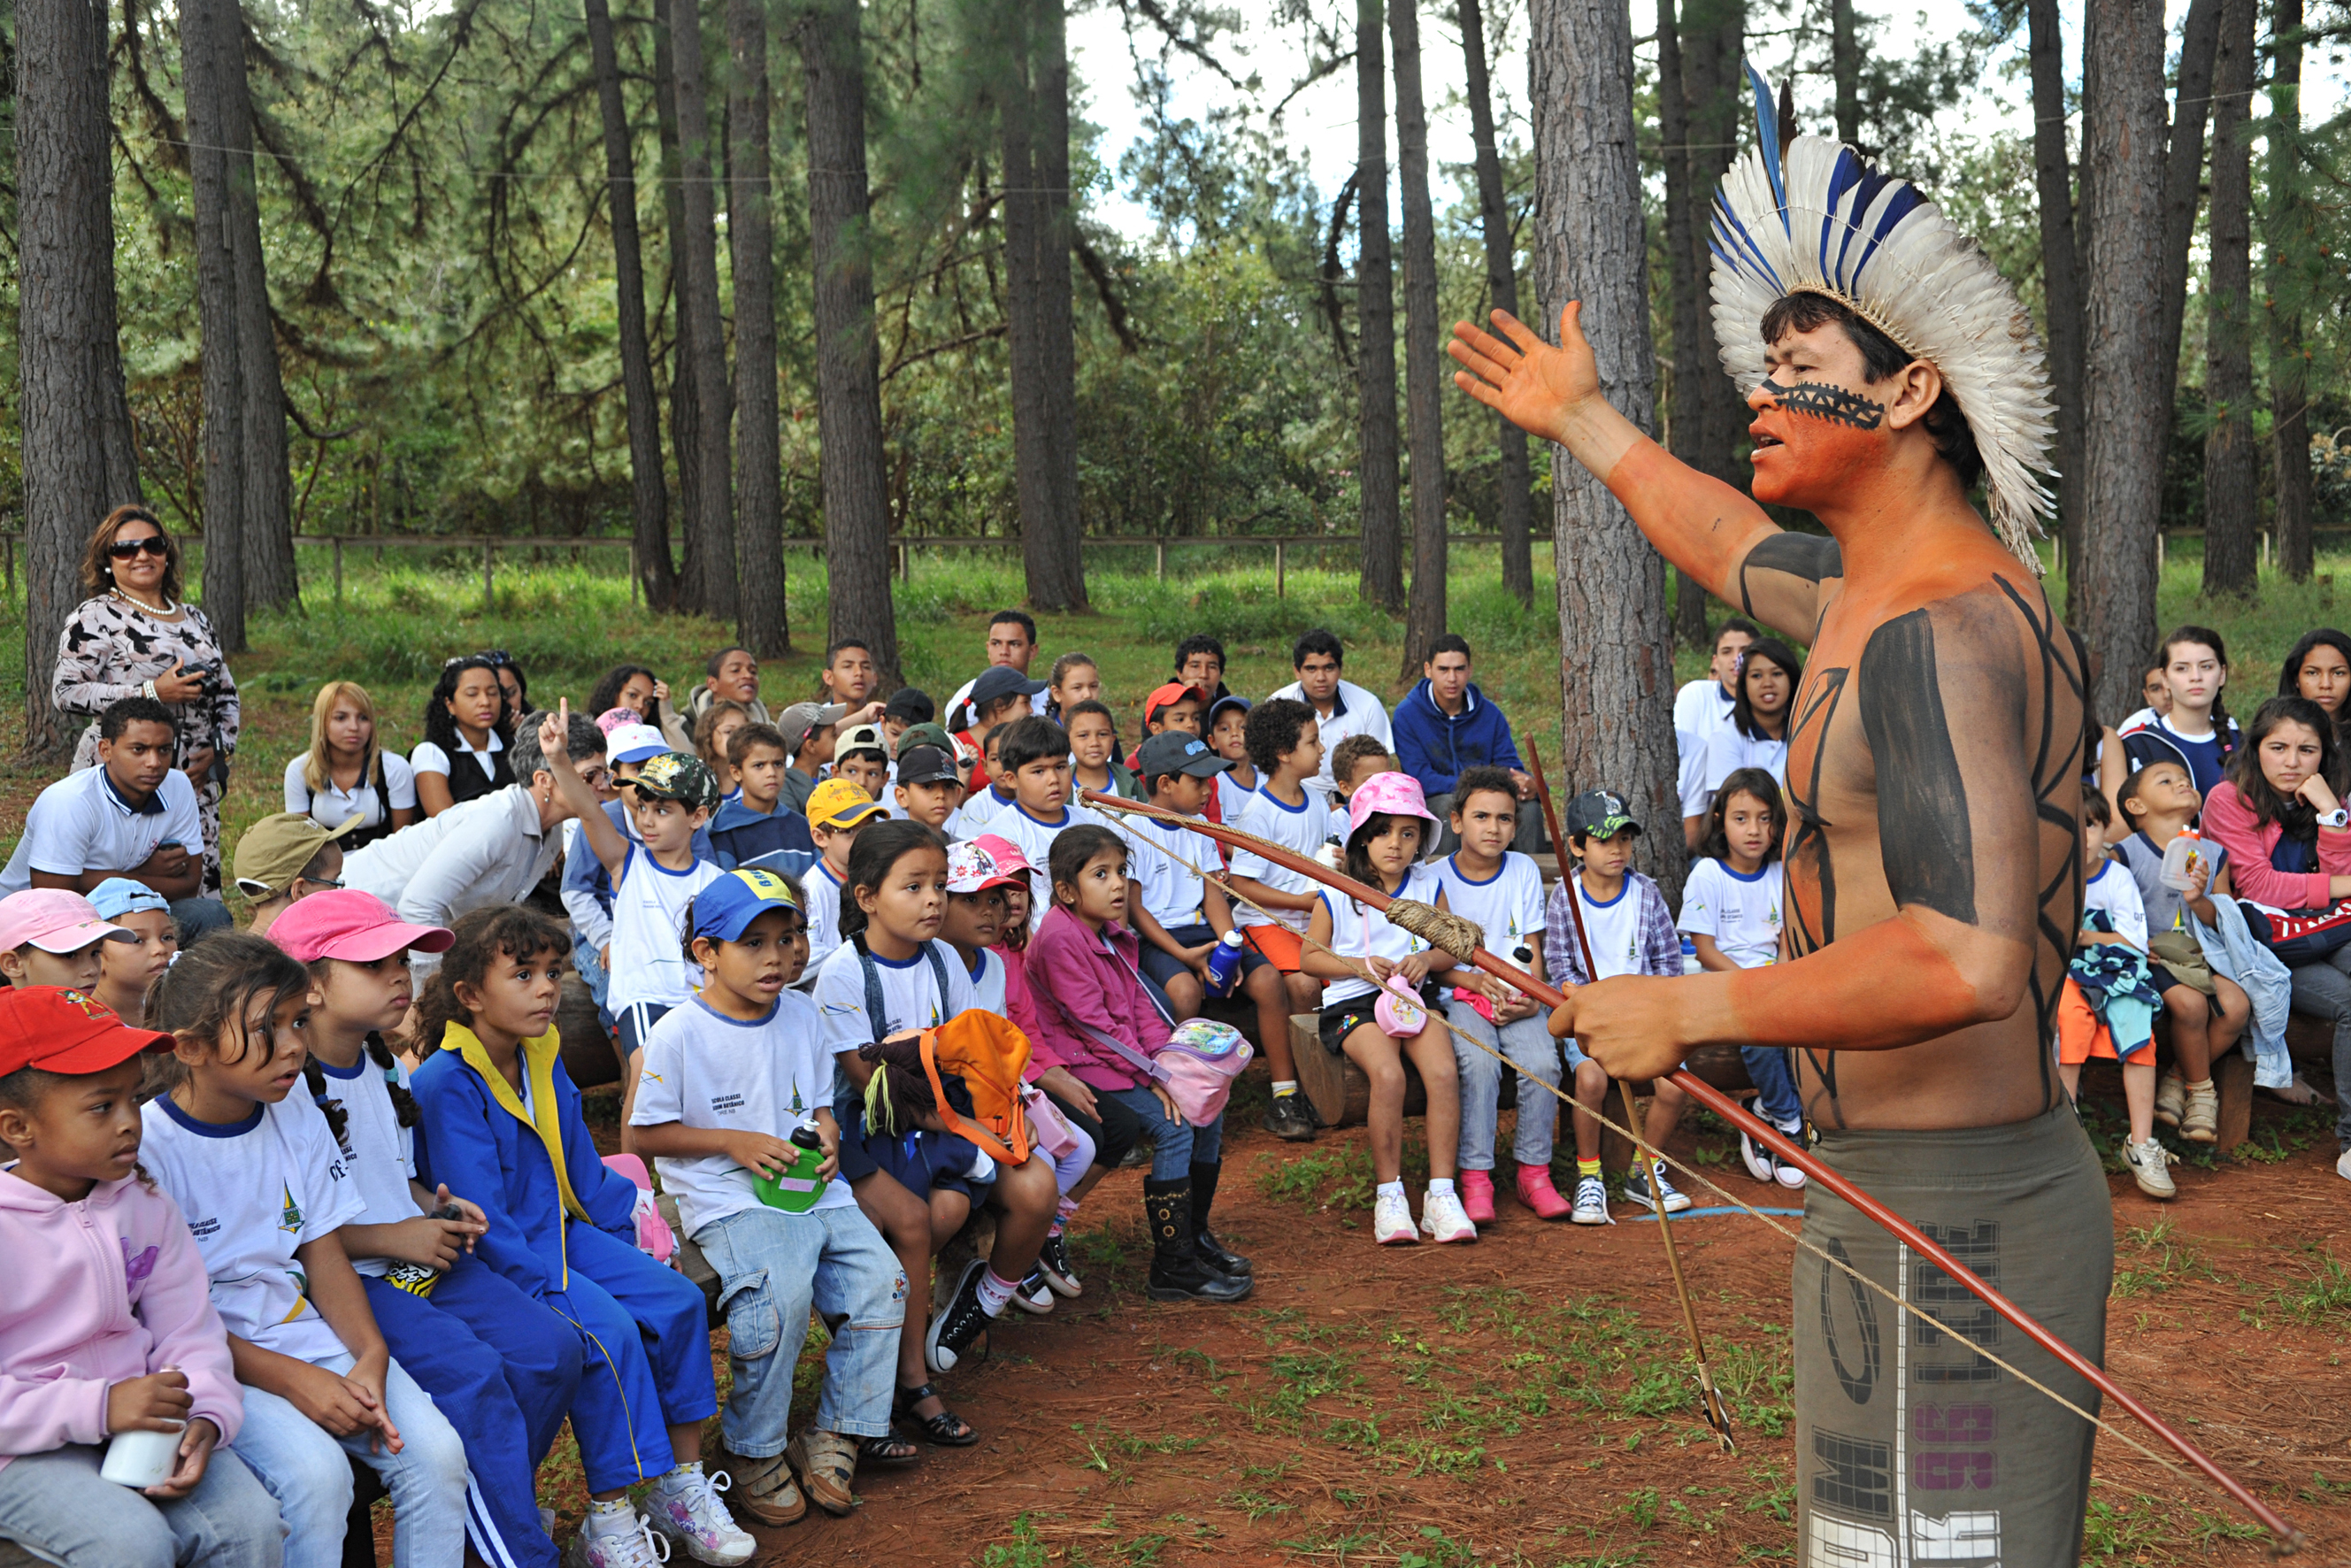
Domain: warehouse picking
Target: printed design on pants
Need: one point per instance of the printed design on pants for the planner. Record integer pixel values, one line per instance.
(1861, 1379)
(1954, 1448)
(1840, 1543)
(1956, 1311)
(1959, 1538)
(1856, 1474)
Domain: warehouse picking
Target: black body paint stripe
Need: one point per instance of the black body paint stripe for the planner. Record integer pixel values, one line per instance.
(1924, 834)
(1808, 556)
(1836, 405)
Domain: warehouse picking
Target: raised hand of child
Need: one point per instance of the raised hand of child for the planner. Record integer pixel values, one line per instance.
(158, 1402)
(188, 1463)
(761, 1152)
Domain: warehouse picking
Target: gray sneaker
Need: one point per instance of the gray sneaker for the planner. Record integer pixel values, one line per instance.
(2147, 1162)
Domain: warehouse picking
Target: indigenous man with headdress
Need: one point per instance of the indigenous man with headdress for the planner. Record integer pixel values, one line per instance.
(1934, 875)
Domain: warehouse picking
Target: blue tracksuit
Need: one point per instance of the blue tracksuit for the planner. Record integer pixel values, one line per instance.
(778, 839)
(1435, 747)
(561, 1230)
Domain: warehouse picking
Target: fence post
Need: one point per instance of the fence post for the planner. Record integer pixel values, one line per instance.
(338, 568)
(2158, 552)
(1280, 569)
(1159, 554)
(489, 598)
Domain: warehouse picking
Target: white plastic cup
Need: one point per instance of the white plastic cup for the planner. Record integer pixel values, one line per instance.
(140, 1459)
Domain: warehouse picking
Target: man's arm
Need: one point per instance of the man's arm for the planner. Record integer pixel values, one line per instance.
(1700, 524)
(171, 870)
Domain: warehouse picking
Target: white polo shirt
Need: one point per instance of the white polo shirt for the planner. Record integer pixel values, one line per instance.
(1353, 711)
(83, 823)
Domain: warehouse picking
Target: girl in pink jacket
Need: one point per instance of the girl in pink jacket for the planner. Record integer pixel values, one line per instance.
(115, 1332)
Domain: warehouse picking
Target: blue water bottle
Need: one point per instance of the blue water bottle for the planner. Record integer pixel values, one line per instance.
(1225, 965)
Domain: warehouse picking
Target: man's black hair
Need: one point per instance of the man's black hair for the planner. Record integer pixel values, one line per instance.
(1198, 642)
(120, 715)
(1272, 731)
(1451, 642)
(1030, 739)
(1020, 617)
(1741, 625)
(1881, 357)
(710, 667)
(1320, 640)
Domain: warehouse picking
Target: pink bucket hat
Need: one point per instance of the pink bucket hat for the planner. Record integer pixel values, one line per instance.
(1397, 794)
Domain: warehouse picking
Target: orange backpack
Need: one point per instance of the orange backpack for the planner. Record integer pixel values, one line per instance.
(989, 1054)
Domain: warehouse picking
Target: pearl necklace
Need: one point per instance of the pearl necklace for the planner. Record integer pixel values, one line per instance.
(169, 608)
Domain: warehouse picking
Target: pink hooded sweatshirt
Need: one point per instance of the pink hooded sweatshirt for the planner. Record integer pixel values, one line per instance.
(120, 1292)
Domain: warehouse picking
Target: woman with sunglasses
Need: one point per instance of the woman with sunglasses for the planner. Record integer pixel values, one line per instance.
(135, 638)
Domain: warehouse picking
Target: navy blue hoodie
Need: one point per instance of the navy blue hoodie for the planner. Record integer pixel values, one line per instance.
(1435, 747)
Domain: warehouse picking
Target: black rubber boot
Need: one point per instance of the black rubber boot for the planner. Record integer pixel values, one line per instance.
(1178, 1272)
(1220, 1257)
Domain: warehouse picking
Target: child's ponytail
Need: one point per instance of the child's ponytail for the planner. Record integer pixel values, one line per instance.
(404, 1103)
(339, 1120)
(900, 1091)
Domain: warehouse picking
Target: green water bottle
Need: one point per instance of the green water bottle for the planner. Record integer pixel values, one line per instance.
(796, 1190)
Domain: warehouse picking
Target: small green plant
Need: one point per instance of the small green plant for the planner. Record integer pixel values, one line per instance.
(1441, 1552)
(1338, 1177)
(2165, 1258)
(1023, 1551)
(2126, 1530)
(2325, 1295)
(1642, 1507)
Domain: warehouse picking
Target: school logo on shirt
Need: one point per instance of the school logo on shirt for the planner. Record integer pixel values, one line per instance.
(289, 1218)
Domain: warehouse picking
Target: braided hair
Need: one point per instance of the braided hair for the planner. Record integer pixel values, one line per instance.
(404, 1103)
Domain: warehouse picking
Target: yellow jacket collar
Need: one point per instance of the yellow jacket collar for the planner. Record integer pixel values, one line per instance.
(538, 1057)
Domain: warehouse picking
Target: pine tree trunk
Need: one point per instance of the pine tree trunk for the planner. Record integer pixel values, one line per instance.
(1424, 619)
(711, 526)
(684, 410)
(75, 430)
(205, 28)
(849, 366)
(750, 237)
(2123, 374)
(1617, 666)
(2287, 227)
(2060, 274)
(1514, 476)
(1382, 527)
(2231, 447)
(265, 531)
(1845, 66)
(1048, 541)
(648, 491)
(2183, 182)
(1062, 586)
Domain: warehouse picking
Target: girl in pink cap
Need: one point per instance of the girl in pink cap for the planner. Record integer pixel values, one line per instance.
(1379, 1021)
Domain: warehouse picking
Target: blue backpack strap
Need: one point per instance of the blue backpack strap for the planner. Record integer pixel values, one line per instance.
(877, 1011)
(938, 975)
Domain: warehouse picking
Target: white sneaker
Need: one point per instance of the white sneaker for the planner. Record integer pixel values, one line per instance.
(1591, 1202)
(1033, 1295)
(2170, 1098)
(2147, 1162)
(1392, 1221)
(1761, 1162)
(637, 1548)
(2343, 1166)
(1786, 1174)
(686, 1509)
(1442, 1216)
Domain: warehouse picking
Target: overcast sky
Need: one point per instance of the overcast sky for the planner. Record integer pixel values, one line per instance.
(1320, 121)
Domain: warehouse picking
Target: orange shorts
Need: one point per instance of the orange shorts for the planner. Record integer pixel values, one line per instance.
(1276, 945)
(2081, 1033)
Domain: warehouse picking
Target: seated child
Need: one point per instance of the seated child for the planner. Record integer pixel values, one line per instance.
(1730, 911)
(2207, 1010)
(929, 787)
(1228, 736)
(1357, 758)
(1033, 757)
(1276, 903)
(1631, 933)
(713, 732)
(501, 1367)
(1095, 1020)
(1388, 820)
(756, 828)
(807, 731)
(1075, 681)
(253, 1167)
(838, 813)
(908, 706)
(126, 970)
(502, 1125)
(727, 1078)
(1000, 696)
(862, 757)
(2111, 996)
(990, 795)
(890, 976)
(49, 936)
(1172, 707)
(115, 1332)
(1490, 882)
(1093, 751)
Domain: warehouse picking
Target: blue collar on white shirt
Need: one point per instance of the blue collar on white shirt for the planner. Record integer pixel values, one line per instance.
(124, 804)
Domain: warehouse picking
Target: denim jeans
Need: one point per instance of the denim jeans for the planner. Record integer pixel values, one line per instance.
(53, 1505)
(1177, 1145)
(307, 1470)
(772, 1268)
(1774, 1079)
(2322, 988)
(1533, 1051)
(590, 968)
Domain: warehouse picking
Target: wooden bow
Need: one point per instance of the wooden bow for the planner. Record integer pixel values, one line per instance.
(2288, 1539)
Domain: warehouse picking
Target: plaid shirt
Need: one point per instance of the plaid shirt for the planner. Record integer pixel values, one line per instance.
(1661, 944)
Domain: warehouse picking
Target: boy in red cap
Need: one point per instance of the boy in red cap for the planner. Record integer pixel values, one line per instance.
(115, 1333)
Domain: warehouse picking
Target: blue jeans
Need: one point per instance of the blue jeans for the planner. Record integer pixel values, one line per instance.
(55, 1504)
(1177, 1145)
(590, 970)
(1533, 1051)
(772, 1268)
(307, 1470)
(1775, 1085)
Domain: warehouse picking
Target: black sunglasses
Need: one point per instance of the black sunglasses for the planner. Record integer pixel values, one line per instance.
(154, 544)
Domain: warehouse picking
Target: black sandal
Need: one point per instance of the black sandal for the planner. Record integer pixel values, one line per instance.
(892, 1452)
(946, 1430)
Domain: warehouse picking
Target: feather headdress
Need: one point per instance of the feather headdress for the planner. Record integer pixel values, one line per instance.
(1836, 226)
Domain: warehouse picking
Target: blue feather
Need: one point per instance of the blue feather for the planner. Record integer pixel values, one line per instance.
(1906, 200)
(1750, 259)
(1767, 132)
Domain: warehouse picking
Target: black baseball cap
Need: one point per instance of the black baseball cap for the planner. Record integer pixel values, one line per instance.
(913, 704)
(1599, 814)
(927, 765)
(1000, 681)
(1178, 752)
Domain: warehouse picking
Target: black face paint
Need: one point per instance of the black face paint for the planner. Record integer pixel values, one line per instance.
(1833, 403)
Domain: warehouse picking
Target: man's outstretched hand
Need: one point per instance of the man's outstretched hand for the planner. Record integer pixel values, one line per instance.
(1525, 380)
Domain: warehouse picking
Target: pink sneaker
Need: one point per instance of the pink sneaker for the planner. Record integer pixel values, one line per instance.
(1477, 1189)
(1537, 1193)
